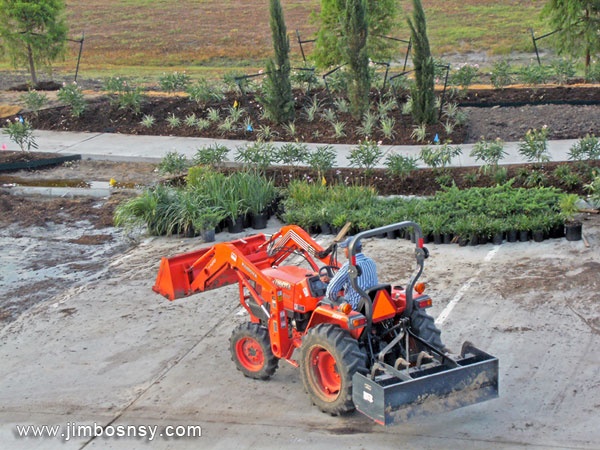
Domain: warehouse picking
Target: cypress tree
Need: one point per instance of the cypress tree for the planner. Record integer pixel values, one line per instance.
(278, 98)
(355, 28)
(423, 90)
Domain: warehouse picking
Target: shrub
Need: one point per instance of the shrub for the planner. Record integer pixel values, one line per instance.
(72, 95)
(534, 147)
(534, 74)
(173, 82)
(257, 155)
(586, 148)
(567, 177)
(490, 152)
(291, 154)
(20, 132)
(211, 155)
(400, 165)
(115, 85)
(34, 101)
(173, 163)
(439, 156)
(365, 156)
(130, 99)
(592, 74)
(501, 74)
(465, 75)
(202, 92)
(321, 159)
(563, 70)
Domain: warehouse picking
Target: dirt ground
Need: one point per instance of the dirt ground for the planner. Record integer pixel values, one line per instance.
(106, 349)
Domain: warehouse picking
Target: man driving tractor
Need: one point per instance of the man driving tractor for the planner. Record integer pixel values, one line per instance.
(341, 280)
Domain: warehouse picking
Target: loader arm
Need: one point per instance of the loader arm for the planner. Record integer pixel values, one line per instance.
(292, 237)
(240, 261)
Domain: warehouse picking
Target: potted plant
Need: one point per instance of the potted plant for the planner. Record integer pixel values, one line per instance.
(206, 221)
(523, 226)
(437, 224)
(512, 233)
(497, 227)
(569, 208)
(537, 228)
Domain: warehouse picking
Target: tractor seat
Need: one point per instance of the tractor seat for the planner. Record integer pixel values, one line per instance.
(371, 292)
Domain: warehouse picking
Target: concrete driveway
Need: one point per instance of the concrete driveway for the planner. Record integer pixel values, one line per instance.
(114, 353)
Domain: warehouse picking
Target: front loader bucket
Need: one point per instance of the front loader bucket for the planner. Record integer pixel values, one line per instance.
(388, 400)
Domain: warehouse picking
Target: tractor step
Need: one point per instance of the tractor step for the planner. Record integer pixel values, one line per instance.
(389, 400)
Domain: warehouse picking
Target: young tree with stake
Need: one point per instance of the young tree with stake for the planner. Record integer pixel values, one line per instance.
(578, 25)
(355, 32)
(32, 32)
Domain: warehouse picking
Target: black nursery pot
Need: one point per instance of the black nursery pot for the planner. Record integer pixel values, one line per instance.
(512, 236)
(437, 238)
(474, 240)
(523, 236)
(448, 238)
(391, 234)
(463, 241)
(573, 231)
(325, 228)
(538, 236)
(208, 235)
(236, 226)
(498, 238)
(247, 220)
(558, 231)
(259, 221)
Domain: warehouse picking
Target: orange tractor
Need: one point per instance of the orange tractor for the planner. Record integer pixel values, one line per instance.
(385, 359)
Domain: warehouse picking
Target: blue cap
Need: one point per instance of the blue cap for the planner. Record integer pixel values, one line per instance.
(346, 243)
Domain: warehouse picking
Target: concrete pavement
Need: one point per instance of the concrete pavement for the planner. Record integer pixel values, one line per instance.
(123, 147)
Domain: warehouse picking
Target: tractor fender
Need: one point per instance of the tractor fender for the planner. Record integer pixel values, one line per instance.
(326, 314)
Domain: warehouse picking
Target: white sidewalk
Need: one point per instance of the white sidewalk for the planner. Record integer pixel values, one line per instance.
(124, 147)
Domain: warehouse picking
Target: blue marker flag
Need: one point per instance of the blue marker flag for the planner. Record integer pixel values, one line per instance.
(436, 139)
(249, 128)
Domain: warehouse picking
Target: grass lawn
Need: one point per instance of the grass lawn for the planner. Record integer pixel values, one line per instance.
(205, 37)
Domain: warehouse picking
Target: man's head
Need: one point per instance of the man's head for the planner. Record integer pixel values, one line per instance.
(346, 244)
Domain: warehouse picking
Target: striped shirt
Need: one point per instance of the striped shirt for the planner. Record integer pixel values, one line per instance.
(341, 280)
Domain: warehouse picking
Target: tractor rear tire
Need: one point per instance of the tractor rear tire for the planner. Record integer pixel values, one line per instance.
(329, 358)
(423, 325)
(251, 352)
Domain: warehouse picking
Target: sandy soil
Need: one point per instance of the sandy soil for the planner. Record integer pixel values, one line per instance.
(115, 352)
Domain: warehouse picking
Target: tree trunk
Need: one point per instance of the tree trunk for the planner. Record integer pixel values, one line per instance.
(587, 50)
(31, 65)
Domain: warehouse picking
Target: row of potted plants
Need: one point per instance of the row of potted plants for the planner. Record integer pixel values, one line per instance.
(208, 203)
(469, 216)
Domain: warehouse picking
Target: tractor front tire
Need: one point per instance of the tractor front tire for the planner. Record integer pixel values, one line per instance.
(423, 325)
(329, 358)
(251, 352)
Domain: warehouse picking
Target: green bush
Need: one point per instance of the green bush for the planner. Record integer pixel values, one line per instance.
(173, 82)
(72, 95)
(173, 163)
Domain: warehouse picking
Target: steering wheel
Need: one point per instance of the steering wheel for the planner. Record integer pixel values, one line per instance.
(328, 271)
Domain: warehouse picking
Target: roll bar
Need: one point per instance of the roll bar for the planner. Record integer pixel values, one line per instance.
(353, 272)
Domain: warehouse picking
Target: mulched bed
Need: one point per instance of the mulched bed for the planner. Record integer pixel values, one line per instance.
(529, 96)
(422, 181)
(561, 108)
(102, 116)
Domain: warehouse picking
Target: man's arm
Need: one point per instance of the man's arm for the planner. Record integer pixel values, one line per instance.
(337, 283)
